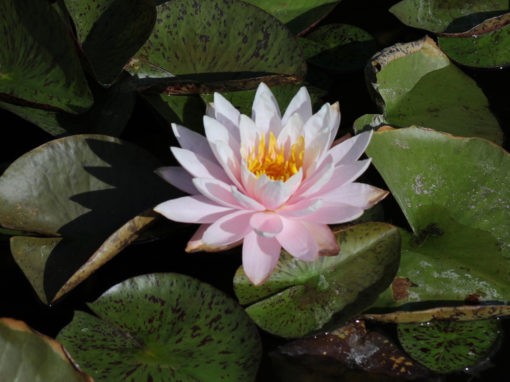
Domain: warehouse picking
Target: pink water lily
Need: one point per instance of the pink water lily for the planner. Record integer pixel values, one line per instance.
(268, 181)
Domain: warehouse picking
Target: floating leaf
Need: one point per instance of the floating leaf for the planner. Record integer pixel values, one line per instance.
(38, 59)
(26, 355)
(299, 15)
(446, 346)
(447, 15)
(487, 45)
(300, 298)
(83, 192)
(338, 47)
(210, 37)
(354, 347)
(164, 327)
(416, 84)
(111, 32)
(455, 195)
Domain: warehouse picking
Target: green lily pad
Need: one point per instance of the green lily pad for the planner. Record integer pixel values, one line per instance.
(454, 193)
(26, 355)
(87, 194)
(164, 327)
(416, 84)
(111, 32)
(38, 60)
(209, 37)
(300, 298)
(487, 45)
(298, 15)
(447, 346)
(109, 114)
(339, 47)
(447, 15)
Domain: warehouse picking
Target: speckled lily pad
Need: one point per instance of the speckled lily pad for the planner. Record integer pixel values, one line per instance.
(164, 327)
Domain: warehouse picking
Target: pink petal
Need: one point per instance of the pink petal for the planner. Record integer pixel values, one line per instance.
(296, 239)
(316, 149)
(300, 104)
(316, 180)
(222, 194)
(355, 194)
(351, 149)
(192, 209)
(334, 213)
(178, 177)
(265, 110)
(246, 201)
(228, 159)
(227, 115)
(260, 256)
(266, 224)
(324, 237)
(334, 120)
(199, 166)
(272, 193)
(196, 244)
(228, 229)
(301, 208)
(189, 140)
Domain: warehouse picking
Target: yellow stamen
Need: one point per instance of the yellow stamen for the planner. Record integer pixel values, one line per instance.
(272, 160)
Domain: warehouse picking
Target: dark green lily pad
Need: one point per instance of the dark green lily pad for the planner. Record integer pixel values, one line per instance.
(26, 355)
(487, 45)
(38, 59)
(339, 47)
(83, 192)
(447, 15)
(416, 84)
(447, 346)
(228, 38)
(455, 195)
(164, 327)
(298, 15)
(111, 32)
(300, 298)
(109, 114)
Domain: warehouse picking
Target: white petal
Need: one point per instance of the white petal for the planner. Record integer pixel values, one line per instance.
(248, 179)
(229, 161)
(260, 256)
(246, 201)
(300, 104)
(351, 149)
(228, 229)
(215, 131)
(291, 132)
(189, 140)
(334, 121)
(178, 177)
(316, 123)
(297, 240)
(210, 111)
(192, 209)
(198, 166)
(266, 224)
(227, 115)
(272, 193)
(315, 151)
(265, 110)
(250, 133)
(356, 194)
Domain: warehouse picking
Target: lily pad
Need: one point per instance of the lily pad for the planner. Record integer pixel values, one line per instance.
(298, 15)
(300, 298)
(164, 327)
(339, 47)
(83, 193)
(38, 60)
(455, 195)
(111, 32)
(208, 37)
(447, 15)
(447, 346)
(416, 84)
(26, 355)
(487, 45)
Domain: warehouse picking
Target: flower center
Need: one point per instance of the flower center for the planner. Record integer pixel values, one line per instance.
(272, 160)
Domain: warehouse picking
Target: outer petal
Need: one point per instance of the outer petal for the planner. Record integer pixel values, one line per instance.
(222, 194)
(356, 194)
(228, 229)
(196, 244)
(178, 177)
(334, 121)
(351, 149)
(301, 208)
(334, 213)
(265, 110)
(189, 140)
(227, 115)
(296, 239)
(318, 179)
(192, 209)
(267, 224)
(325, 239)
(300, 104)
(199, 166)
(260, 256)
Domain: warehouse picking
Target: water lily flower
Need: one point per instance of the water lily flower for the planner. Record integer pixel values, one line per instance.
(268, 181)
